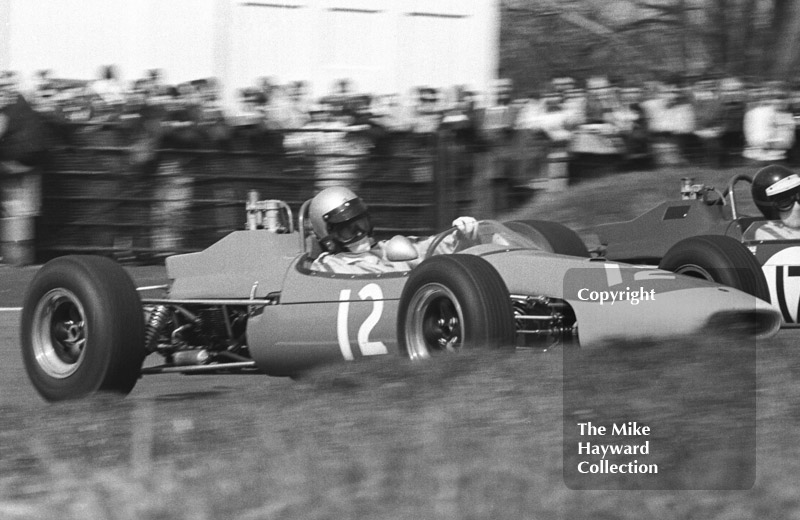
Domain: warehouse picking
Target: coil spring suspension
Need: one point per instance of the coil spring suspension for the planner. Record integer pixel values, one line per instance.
(155, 325)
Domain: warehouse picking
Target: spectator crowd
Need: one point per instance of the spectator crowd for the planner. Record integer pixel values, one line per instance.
(564, 129)
(714, 121)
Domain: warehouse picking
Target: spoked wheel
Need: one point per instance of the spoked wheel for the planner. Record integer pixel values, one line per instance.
(452, 303)
(434, 322)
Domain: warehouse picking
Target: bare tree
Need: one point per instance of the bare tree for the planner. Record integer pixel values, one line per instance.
(786, 45)
(661, 37)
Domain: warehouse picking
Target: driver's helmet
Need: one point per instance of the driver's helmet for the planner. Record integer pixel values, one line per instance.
(339, 218)
(768, 199)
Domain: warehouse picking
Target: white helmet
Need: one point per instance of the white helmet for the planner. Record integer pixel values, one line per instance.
(339, 218)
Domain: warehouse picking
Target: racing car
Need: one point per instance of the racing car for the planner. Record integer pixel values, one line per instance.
(251, 302)
(704, 234)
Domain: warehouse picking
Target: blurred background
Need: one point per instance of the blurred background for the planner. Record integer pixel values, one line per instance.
(136, 130)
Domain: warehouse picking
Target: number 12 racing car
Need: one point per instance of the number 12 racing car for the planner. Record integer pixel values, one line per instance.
(252, 303)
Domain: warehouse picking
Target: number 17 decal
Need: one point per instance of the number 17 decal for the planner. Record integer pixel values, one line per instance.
(368, 348)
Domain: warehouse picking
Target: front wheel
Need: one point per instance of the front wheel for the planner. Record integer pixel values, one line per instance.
(719, 259)
(82, 329)
(451, 303)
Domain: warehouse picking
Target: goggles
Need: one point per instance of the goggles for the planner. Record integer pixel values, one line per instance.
(785, 192)
(352, 230)
(785, 201)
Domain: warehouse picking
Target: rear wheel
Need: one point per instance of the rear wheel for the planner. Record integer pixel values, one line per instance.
(551, 236)
(82, 329)
(451, 303)
(719, 259)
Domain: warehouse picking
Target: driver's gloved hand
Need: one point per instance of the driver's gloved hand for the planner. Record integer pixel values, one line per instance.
(467, 226)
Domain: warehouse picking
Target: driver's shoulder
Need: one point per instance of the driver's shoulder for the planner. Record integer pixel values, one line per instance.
(775, 229)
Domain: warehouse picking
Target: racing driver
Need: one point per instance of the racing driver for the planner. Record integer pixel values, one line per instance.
(776, 192)
(343, 227)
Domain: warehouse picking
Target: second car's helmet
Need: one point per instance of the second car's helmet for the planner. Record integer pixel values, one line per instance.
(766, 177)
(339, 218)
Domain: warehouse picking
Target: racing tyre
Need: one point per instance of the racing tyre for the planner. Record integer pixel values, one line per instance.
(551, 236)
(719, 259)
(82, 329)
(451, 303)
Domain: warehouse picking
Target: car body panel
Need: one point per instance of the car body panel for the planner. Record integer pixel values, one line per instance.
(231, 267)
(679, 301)
(303, 285)
(323, 317)
(650, 235)
(285, 339)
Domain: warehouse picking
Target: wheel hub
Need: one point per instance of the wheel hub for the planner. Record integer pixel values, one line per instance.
(434, 324)
(448, 333)
(59, 333)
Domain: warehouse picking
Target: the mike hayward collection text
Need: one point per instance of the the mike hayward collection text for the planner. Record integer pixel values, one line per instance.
(625, 429)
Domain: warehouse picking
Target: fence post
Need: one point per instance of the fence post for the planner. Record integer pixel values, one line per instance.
(20, 204)
(483, 184)
(443, 183)
(172, 201)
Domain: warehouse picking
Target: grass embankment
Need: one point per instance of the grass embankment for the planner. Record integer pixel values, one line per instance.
(476, 436)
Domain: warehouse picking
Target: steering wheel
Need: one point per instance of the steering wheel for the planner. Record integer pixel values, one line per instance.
(437, 240)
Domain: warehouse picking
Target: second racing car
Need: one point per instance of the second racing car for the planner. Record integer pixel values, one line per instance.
(706, 234)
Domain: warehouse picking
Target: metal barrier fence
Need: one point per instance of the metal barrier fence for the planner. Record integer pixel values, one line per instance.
(100, 197)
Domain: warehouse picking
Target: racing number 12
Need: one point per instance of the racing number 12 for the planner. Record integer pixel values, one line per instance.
(368, 348)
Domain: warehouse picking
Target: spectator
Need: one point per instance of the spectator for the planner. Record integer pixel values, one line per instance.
(183, 120)
(498, 127)
(298, 104)
(548, 119)
(708, 119)
(110, 90)
(530, 141)
(682, 117)
(22, 132)
(22, 155)
(142, 124)
(636, 137)
(337, 148)
(768, 125)
(461, 117)
(732, 109)
(601, 119)
(601, 102)
(495, 165)
(671, 118)
(212, 117)
(794, 107)
(428, 114)
(391, 113)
